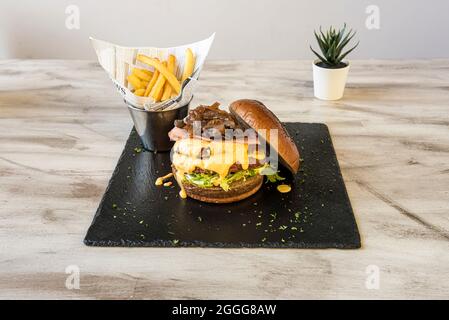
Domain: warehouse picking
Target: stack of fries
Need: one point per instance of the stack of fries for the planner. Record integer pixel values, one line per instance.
(159, 81)
(147, 76)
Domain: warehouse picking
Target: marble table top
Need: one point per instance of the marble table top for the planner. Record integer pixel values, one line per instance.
(63, 127)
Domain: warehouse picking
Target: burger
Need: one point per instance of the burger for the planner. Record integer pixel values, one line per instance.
(223, 157)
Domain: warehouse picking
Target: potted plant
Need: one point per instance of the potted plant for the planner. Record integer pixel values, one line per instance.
(330, 70)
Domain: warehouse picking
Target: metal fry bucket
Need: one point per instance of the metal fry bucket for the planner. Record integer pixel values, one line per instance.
(153, 126)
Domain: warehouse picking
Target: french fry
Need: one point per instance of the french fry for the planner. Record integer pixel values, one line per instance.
(189, 65)
(148, 72)
(171, 78)
(142, 74)
(151, 83)
(140, 92)
(171, 66)
(144, 84)
(166, 92)
(135, 82)
(158, 88)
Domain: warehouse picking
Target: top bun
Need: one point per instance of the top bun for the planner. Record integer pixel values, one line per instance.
(254, 114)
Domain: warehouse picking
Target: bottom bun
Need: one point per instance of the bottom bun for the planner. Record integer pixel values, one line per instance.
(239, 190)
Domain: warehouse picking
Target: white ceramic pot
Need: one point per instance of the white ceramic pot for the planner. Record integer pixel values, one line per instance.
(329, 84)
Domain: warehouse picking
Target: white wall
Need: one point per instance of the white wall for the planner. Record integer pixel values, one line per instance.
(258, 29)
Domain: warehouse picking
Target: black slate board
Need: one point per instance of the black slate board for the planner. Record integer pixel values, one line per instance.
(315, 214)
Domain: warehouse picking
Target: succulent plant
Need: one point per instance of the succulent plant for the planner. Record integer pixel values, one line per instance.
(331, 44)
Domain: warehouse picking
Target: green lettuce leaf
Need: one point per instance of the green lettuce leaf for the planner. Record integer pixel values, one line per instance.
(207, 180)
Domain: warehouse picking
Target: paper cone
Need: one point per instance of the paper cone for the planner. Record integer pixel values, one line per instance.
(118, 61)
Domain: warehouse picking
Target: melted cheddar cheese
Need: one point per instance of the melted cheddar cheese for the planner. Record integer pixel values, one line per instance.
(219, 158)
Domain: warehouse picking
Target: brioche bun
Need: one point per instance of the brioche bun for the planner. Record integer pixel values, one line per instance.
(254, 114)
